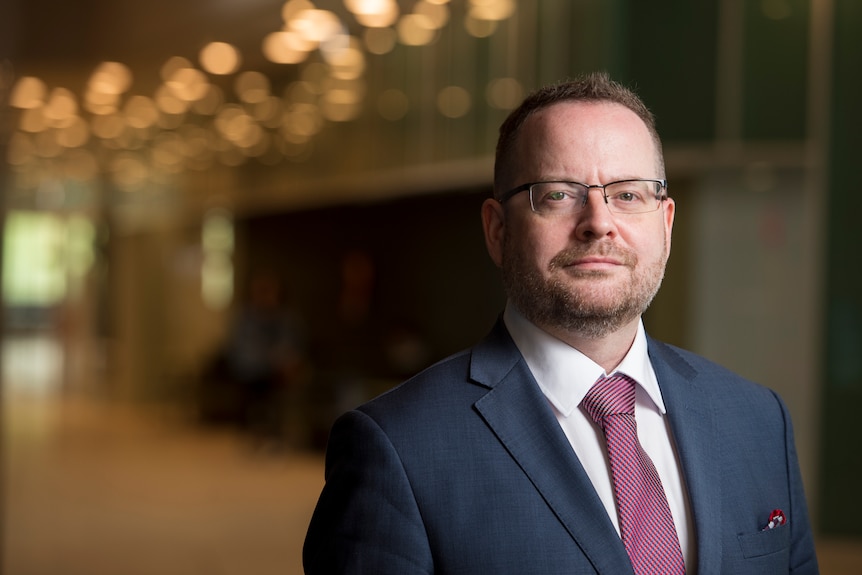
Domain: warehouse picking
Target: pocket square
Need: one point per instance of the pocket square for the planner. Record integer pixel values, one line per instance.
(776, 518)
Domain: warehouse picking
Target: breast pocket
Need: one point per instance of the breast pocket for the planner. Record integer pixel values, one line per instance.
(766, 542)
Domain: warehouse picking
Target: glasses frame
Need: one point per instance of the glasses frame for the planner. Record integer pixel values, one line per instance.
(661, 195)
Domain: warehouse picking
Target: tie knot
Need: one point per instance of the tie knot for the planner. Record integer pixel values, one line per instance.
(610, 396)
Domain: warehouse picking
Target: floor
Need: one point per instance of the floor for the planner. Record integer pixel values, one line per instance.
(93, 488)
(99, 489)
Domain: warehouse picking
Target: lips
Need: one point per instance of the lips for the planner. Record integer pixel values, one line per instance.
(597, 258)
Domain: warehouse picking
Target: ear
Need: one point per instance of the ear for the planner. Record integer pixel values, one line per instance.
(494, 225)
(669, 213)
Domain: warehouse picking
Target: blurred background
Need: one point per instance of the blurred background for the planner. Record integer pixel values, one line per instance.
(224, 222)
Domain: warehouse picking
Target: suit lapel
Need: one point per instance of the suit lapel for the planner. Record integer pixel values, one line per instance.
(692, 422)
(519, 415)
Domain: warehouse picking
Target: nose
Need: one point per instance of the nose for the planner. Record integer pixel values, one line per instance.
(595, 220)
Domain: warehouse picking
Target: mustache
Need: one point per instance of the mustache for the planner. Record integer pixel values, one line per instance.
(567, 256)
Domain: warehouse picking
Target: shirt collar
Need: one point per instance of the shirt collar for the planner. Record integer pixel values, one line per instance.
(564, 374)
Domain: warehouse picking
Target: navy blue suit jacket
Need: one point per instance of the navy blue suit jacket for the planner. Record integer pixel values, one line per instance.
(465, 469)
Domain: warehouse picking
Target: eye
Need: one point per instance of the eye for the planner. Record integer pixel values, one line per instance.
(627, 197)
(629, 192)
(558, 196)
(555, 197)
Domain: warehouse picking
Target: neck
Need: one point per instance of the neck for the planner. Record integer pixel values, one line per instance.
(608, 350)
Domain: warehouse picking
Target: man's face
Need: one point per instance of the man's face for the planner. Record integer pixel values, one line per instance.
(593, 272)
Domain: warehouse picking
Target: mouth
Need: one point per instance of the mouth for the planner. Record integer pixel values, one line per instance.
(594, 262)
(577, 260)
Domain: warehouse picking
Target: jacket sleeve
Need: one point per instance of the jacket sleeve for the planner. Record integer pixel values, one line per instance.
(367, 519)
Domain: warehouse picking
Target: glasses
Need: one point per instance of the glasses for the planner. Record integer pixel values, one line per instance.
(566, 198)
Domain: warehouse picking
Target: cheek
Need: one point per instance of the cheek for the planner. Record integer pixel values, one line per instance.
(654, 246)
(542, 244)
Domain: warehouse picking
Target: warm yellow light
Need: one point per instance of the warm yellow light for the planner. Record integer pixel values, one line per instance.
(415, 30)
(268, 112)
(302, 120)
(172, 65)
(28, 92)
(453, 101)
(220, 58)
(61, 108)
(347, 63)
(187, 84)
(392, 104)
(170, 120)
(374, 13)
(252, 87)
(128, 171)
(75, 135)
(141, 112)
(167, 152)
(479, 28)
(335, 109)
(257, 145)
(301, 92)
(286, 47)
(494, 10)
(196, 141)
(33, 120)
(168, 102)
(236, 126)
(109, 126)
(380, 40)
(504, 93)
(210, 102)
(315, 25)
(110, 78)
(252, 139)
(437, 14)
(100, 103)
(294, 7)
(343, 96)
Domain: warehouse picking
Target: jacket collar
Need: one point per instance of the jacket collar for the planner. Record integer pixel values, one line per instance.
(521, 418)
(519, 415)
(693, 421)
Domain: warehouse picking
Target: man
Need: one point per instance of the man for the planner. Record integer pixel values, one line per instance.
(499, 460)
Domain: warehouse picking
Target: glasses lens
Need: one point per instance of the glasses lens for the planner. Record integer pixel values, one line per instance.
(549, 198)
(633, 196)
(627, 197)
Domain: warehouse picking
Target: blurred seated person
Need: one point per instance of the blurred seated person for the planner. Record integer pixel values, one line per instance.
(264, 356)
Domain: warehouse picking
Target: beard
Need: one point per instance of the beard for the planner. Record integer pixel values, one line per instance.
(592, 309)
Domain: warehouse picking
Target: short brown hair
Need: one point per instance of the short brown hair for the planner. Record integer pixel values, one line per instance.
(593, 87)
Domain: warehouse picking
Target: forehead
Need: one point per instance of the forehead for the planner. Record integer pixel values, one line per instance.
(585, 139)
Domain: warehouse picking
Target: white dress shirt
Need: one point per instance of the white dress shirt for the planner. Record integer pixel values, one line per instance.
(565, 375)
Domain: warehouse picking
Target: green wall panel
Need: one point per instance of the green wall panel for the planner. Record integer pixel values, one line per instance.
(775, 55)
(672, 64)
(841, 439)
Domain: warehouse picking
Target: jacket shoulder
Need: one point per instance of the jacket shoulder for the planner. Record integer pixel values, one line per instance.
(724, 385)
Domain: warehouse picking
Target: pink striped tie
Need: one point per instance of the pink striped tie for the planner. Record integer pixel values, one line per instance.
(646, 524)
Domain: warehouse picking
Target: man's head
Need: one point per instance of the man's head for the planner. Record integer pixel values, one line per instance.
(596, 87)
(593, 267)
